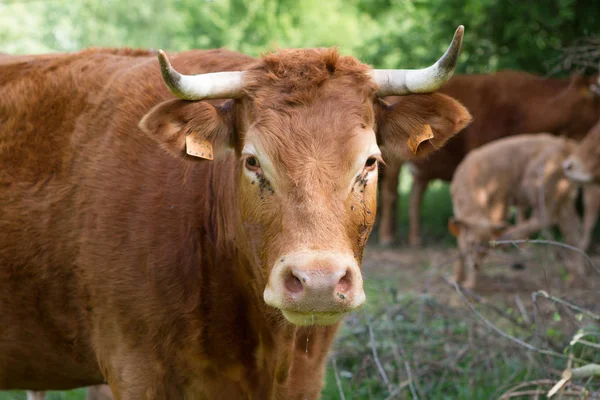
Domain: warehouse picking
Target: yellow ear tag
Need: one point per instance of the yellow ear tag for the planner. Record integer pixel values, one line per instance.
(416, 139)
(197, 147)
(453, 227)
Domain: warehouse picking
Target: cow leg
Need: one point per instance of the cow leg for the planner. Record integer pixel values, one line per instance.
(36, 395)
(591, 209)
(570, 227)
(524, 230)
(419, 186)
(570, 224)
(389, 201)
(521, 212)
(136, 375)
(143, 389)
(473, 263)
(459, 269)
(99, 392)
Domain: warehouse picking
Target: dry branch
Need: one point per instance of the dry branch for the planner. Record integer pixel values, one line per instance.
(494, 243)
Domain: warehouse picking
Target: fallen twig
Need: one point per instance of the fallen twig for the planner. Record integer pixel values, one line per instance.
(338, 381)
(376, 358)
(495, 243)
(545, 294)
(490, 325)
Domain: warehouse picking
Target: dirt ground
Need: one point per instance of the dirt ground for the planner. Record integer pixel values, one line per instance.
(542, 267)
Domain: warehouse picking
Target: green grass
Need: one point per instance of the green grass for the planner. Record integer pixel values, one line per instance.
(478, 373)
(78, 394)
(451, 355)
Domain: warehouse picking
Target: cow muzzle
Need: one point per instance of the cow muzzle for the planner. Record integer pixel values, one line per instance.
(574, 170)
(315, 288)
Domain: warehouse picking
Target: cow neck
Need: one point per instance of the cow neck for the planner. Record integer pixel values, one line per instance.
(566, 96)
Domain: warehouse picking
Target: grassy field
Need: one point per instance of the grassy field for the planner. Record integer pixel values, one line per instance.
(418, 338)
(67, 395)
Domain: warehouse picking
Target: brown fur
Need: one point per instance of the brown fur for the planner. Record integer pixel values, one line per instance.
(502, 104)
(587, 157)
(123, 259)
(525, 171)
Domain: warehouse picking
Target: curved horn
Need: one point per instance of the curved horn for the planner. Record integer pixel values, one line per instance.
(396, 82)
(215, 85)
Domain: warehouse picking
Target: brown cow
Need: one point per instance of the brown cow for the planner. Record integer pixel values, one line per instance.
(189, 248)
(525, 171)
(502, 104)
(584, 165)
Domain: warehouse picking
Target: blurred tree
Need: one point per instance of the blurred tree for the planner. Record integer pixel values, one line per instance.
(525, 35)
(500, 34)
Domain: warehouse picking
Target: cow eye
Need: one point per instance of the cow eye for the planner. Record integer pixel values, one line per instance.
(371, 164)
(252, 164)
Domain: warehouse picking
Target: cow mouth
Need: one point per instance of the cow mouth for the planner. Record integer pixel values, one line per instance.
(579, 176)
(313, 318)
(574, 170)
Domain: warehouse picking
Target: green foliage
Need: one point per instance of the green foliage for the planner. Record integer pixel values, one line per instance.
(385, 33)
(517, 34)
(78, 394)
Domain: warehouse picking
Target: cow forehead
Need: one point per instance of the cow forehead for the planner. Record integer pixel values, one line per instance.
(294, 77)
(311, 154)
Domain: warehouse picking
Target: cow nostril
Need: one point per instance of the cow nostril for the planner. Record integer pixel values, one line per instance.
(292, 283)
(345, 283)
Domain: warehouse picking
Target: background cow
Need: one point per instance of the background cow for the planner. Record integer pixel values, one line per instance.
(188, 247)
(584, 165)
(502, 104)
(525, 171)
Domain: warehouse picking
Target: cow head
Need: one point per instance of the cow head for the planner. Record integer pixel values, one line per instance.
(595, 86)
(583, 166)
(579, 105)
(306, 128)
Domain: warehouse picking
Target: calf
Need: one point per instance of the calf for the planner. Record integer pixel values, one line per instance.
(583, 165)
(524, 171)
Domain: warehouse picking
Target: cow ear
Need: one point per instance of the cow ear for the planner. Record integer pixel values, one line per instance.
(198, 129)
(454, 226)
(418, 124)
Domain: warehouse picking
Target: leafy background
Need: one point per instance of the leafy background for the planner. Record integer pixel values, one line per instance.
(500, 34)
